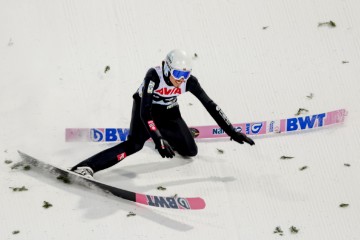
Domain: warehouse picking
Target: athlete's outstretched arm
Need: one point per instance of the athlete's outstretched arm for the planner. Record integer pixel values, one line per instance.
(215, 111)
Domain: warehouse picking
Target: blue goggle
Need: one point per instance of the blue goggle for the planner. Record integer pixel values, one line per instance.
(178, 74)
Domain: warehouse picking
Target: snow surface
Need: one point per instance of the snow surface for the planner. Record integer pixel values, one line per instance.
(257, 59)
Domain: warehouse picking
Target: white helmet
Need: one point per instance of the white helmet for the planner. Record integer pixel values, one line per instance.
(177, 60)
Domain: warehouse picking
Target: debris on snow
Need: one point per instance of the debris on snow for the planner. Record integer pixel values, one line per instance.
(278, 231)
(347, 165)
(286, 157)
(300, 111)
(220, 151)
(161, 188)
(15, 232)
(16, 189)
(344, 205)
(293, 229)
(265, 27)
(107, 68)
(328, 24)
(131, 214)
(8, 161)
(310, 96)
(303, 168)
(344, 62)
(47, 205)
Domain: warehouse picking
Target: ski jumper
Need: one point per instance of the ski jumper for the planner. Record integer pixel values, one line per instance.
(156, 114)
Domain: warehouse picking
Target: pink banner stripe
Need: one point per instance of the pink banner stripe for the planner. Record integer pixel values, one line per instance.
(254, 129)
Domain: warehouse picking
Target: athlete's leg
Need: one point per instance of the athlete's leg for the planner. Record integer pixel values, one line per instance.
(111, 156)
(177, 133)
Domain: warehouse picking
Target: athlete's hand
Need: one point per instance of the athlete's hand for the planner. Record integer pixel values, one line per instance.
(241, 138)
(165, 149)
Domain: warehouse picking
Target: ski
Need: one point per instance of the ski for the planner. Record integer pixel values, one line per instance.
(194, 203)
(254, 129)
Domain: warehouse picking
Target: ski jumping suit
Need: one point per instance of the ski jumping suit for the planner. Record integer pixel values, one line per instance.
(156, 114)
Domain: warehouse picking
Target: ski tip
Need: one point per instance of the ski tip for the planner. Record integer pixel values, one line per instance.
(21, 153)
(197, 203)
(24, 156)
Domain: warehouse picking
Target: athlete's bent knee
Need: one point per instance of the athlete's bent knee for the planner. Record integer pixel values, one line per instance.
(189, 152)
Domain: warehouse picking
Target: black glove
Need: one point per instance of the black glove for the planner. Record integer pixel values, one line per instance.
(241, 138)
(165, 149)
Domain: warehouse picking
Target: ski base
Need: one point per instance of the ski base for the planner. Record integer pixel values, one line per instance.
(194, 203)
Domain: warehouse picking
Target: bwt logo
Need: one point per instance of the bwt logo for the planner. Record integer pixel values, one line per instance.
(168, 202)
(308, 122)
(253, 128)
(109, 134)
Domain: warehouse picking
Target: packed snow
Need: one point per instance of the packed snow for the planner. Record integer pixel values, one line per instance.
(258, 60)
